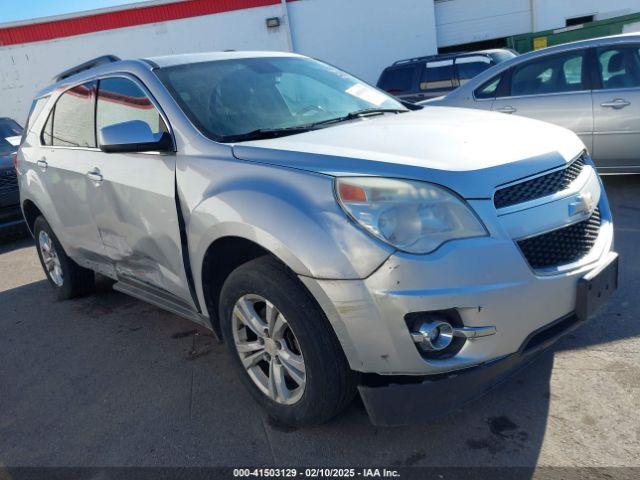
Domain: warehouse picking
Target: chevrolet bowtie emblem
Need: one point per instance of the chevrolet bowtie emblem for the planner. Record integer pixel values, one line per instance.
(584, 205)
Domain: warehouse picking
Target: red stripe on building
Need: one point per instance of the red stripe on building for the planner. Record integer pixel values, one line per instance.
(123, 18)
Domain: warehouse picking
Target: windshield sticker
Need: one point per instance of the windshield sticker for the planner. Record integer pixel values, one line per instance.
(15, 141)
(367, 94)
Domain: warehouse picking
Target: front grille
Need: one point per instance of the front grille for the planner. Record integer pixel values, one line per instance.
(539, 187)
(562, 246)
(8, 181)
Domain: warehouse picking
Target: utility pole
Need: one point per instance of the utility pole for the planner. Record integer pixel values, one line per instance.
(287, 24)
(533, 16)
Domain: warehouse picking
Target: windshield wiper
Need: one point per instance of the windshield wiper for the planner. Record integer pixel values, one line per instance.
(265, 133)
(362, 113)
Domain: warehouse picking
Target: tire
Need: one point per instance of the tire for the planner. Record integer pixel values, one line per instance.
(300, 332)
(67, 278)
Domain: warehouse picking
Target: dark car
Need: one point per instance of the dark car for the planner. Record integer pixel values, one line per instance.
(10, 214)
(417, 79)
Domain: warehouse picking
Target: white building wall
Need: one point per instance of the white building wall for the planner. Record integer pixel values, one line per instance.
(363, 36)
(550, 14)
(466, 21)
(27, 68)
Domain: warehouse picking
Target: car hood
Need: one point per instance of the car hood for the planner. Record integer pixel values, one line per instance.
(6, 162)
(469, 151)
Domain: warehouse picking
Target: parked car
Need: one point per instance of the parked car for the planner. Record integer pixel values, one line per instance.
(591, 87)
(417, 79)
(10, 214)
(334, 239)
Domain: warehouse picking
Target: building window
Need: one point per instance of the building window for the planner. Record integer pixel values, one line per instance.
(570, 22)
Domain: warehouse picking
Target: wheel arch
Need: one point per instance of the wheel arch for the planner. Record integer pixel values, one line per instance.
(221, 257)
(30, 211)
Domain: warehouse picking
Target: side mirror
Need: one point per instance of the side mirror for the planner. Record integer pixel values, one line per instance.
(133, 136)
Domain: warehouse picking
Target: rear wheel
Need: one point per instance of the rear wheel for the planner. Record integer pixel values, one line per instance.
(283, 345)
(66, 277)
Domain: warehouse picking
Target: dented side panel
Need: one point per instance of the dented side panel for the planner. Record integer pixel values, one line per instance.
(290, 213)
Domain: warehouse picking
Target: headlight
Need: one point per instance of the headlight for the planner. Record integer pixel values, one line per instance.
(415, 217)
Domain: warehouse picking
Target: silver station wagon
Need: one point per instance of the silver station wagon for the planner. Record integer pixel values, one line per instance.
(337, 240)
(591, 87)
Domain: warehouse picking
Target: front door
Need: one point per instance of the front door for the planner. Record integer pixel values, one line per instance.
(616, 107)
(136, 209)
(554, 89)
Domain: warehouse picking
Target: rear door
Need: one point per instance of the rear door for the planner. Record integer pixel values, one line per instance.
(68, 144)
(135, 205)
(553, 88)
(616, 107)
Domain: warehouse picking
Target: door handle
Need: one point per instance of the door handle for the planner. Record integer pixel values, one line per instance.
(42, 163)
(95, 176)
(617, 103)
(507, 109)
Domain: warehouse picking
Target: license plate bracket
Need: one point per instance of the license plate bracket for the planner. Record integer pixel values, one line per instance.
(595, 288)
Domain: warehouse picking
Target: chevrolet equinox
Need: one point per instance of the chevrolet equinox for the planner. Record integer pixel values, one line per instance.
(337, 240)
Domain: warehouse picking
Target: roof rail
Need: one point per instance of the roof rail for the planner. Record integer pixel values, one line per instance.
(103, 60)
(417, 59)
(435, 56)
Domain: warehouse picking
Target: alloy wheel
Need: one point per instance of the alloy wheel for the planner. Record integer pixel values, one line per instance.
(268, 349)
(50, 258)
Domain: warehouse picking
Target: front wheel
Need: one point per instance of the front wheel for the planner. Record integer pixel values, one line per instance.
(66, 277)
(283, 345)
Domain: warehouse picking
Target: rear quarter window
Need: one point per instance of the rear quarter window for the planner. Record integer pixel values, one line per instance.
(489, 89)
(36, 109)
(397, 80)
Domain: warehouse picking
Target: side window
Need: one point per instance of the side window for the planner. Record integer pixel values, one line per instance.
(73, 124)
(437, 75)
(121, 100)
(553, 74)
(619, 66)
(36, 110)
(489, 89)
(397, 80)
(469, 67)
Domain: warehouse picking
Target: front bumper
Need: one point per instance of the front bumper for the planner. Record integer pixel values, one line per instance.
(488, 283)
(404, 401)
(486, 280)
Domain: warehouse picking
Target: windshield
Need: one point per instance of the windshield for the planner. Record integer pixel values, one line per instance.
(10, 133)
(229, 99)
(502, 55)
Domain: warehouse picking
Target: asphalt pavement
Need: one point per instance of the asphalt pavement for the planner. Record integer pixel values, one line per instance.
(107, 380)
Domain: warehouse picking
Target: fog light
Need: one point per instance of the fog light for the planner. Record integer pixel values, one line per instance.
(434, 336)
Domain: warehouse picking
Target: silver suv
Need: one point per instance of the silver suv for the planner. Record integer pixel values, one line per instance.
(337, 240)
